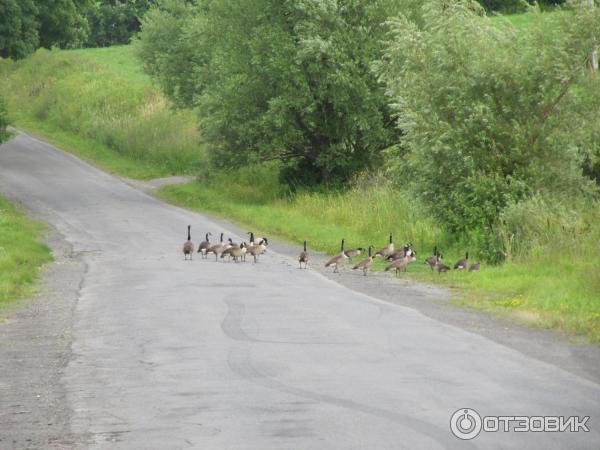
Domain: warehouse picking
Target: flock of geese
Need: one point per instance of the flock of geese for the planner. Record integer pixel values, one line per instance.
(225, 248)
(398, 259)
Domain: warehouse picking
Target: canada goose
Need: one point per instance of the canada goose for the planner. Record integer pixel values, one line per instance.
(441, 267)
(407, 250)
(229, 247)
(365, 263)
(258, 249)
(433, 260)
(338, 259)
(463, 263)
(204, 245)
(387, 250)
(237, 251)
(353, 252)
(474, 267)
(188, 246)
(218, 248)
(251, 242)
(303, 258)
(400, 264)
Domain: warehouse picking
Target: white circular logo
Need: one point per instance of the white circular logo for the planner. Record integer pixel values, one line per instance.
(465, 423)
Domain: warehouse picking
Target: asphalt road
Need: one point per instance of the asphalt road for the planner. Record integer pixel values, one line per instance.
(170, 354)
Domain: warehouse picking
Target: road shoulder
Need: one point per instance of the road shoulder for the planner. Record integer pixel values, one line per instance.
(36, 347)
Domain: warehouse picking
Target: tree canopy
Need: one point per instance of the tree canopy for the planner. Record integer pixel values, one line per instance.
(289, 81)
(490, 115)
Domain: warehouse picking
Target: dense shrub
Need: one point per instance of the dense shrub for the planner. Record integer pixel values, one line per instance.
(511, 6)
(491, 116)
(114, 22)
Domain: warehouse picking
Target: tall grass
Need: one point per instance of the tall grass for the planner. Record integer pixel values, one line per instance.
(74, 92)
(21, 253)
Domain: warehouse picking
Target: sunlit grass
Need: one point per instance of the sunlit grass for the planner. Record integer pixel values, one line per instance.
(100, 100)
(21, 253)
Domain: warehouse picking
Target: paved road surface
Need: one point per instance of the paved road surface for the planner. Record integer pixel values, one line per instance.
(171, 354)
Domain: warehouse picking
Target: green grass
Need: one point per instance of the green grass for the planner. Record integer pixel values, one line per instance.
(22, 253)
(556, 285)
(101, 106)
(119, 59)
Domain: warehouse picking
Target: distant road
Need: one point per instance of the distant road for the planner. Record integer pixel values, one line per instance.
(171, 354)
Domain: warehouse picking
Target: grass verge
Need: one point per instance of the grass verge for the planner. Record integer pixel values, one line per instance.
(22, 254)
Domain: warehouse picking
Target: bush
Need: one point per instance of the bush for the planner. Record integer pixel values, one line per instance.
(491, 116)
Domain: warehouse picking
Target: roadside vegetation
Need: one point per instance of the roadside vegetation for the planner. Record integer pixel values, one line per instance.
(98, 104)
(486, 142)
(22, 253)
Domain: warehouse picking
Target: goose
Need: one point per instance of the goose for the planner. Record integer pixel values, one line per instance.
(463, 263)
(229, 247)
(303, 258)
(204, 245)
(338, 259)
(353, 252)
(218, 248)
(251, 243)
(433, 260)
(188, 246)
(258, 249)
(400, 264)
(407, 250)
(441, 267)
(474, 267)
(365, 263)
(237, 252)
(387, 250)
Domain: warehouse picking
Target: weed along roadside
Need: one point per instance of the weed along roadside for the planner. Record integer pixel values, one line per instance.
(22, 254)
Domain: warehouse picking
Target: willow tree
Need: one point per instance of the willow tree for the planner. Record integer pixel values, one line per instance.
(290, 81)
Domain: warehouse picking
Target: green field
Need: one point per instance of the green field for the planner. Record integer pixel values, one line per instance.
(98, 104)
(22, 253)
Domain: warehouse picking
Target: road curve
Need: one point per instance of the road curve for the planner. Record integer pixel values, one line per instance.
(171, 354)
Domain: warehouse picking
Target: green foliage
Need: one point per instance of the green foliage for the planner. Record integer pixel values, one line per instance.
(512, 6)
(18, 28)
(490, 115)
(70, 92)
(272, 80)
(62, 23)
(114, 22)
(21, 252)
(26, 25)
